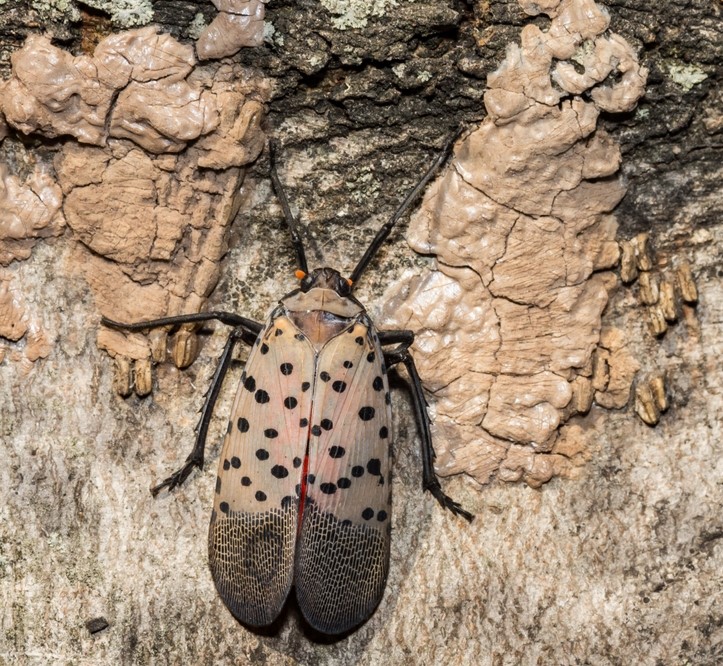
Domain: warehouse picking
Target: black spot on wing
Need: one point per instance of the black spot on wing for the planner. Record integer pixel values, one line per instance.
(279, 471)
(367, 413)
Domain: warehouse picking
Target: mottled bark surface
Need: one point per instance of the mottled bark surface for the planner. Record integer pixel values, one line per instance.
(620, 565)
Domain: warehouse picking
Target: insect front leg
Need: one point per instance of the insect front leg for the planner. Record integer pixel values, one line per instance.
(401, 354)
(246, 330)
(228, 318)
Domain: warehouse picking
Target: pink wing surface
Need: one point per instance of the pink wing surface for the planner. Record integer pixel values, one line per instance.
(254, 523)
(343, 550)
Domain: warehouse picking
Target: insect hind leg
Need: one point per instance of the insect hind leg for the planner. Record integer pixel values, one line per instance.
(246, 330)
(196, 457)
(401, 354)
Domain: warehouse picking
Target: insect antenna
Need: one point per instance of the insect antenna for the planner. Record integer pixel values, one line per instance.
(290, 219)
(409, 200)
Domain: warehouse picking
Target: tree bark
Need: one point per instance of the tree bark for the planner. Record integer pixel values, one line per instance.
(617, 563)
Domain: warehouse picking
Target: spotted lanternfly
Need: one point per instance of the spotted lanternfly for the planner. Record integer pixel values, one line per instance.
(303, 493)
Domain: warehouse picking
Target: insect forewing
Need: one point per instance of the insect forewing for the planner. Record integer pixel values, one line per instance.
(254, 523)
(343, 551)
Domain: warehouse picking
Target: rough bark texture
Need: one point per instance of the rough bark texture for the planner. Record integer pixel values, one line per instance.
(618, 565)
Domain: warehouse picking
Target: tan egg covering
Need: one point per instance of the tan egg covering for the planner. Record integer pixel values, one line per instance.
(521, 225)
(150, 211)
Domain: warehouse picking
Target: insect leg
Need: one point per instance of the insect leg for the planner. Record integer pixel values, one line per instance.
(402, 338)
(401, 354)
(228, 318)
(245, 329)
(195, 458)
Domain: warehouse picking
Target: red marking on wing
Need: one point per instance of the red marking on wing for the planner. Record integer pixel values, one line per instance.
(255, 521)
(302, 496)
(342, 555)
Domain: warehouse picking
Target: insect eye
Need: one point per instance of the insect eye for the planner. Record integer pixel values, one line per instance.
(300, 275)
(305, 282)
(345, 287)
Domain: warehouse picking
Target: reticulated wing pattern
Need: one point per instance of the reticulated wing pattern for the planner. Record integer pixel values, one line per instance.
(254, 522)
(343, 551)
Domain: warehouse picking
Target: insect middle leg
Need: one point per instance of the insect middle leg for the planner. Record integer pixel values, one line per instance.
(400, 354)
(246, 330)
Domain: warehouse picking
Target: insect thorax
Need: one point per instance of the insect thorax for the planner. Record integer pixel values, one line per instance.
(320, 314)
